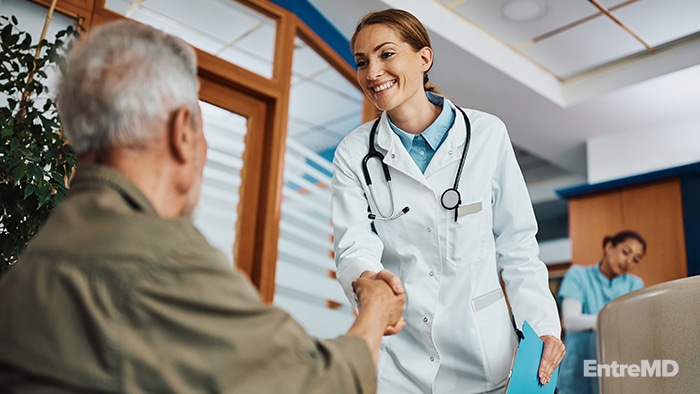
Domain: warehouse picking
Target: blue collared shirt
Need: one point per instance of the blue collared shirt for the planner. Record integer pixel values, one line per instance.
(422, 146)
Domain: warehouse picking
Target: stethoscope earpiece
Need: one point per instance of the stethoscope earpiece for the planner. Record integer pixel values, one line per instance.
(404, 211)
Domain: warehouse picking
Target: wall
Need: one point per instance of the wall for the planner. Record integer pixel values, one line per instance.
(690, 193)
(649, 148)
(654, 209)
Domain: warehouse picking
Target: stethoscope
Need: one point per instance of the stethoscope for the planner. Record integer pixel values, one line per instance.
(450, 198)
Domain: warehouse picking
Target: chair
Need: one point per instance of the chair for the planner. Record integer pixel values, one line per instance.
(649, 340)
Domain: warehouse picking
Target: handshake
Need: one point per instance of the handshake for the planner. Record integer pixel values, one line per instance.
(380, 301)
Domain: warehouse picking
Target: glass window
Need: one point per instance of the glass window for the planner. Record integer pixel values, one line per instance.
(324, 107)
(223, 28)
(216, 213)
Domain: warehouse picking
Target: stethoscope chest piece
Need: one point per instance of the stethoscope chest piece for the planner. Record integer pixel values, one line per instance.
(450, 199)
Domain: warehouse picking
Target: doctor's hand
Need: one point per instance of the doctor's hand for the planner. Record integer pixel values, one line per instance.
(552, 354)
(396, 286)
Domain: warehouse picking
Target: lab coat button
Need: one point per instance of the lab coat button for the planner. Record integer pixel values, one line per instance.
(430, 230)
(432, 273)
(449, 153)
(425, 319)
(432, 358)
(393, 155)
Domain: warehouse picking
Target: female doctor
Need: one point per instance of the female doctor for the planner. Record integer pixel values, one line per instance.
(430, 198)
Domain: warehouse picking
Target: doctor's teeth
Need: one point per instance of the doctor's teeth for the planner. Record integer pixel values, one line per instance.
(383, 86)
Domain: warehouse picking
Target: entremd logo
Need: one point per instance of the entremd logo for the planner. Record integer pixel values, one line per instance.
(655, 368)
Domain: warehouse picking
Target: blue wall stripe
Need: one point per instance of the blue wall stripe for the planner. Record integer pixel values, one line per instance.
(586, 188)
(321, 26)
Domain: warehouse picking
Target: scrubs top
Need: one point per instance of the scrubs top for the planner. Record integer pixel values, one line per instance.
(593, 290)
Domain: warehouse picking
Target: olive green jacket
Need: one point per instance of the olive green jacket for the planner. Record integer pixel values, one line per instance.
(110, 297)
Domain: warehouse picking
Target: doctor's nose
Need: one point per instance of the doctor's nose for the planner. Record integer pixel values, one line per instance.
(374, 71)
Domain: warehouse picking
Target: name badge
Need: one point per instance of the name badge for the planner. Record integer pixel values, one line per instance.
(469, 209)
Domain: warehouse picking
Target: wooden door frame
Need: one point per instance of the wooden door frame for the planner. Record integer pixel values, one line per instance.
(267, 100)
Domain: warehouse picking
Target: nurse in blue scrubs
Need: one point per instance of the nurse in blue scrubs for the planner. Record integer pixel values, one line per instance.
(583, 293)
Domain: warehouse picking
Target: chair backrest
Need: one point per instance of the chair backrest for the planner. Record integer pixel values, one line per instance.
(649, 340)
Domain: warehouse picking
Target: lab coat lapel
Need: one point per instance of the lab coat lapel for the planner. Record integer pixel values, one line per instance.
(395, 154)
(451, 150)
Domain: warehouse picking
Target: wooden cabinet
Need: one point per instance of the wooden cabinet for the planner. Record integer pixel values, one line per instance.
(654, 210)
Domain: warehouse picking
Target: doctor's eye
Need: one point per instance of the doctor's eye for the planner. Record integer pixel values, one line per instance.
(360, 63)
(388, 54)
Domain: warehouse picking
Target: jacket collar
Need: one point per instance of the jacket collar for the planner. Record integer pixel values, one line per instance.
(396, 156)
(93, 175)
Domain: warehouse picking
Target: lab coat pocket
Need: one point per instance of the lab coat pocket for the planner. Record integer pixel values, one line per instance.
(467, 239)
(496, 332)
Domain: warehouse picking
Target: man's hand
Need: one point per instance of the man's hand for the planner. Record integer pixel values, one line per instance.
(379, 310)
(379, 290)
(395, 284)
(552, 354)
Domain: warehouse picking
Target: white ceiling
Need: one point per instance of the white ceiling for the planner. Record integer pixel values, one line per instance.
(580, 70)
(583, 69)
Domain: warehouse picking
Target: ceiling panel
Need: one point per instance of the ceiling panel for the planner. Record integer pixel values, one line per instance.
(488, 15)
(311, 102)
(260, 41)
(306, 62)
(192, 36)
(582, 47)
(648, 19)
(598, 27)
(221, 27)
(332, 80)
(211, 17)
(252, 61)
(612, 4)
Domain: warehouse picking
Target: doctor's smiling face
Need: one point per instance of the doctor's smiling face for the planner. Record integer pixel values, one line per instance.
(389, 70)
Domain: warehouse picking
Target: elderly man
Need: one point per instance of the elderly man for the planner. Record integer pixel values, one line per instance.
(119, 292)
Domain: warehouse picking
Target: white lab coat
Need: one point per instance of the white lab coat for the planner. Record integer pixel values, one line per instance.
(458, 337)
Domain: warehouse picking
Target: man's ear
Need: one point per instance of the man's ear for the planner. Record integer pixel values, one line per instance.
(181, 134)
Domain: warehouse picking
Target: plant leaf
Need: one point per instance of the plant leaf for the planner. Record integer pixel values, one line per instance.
(19, 171)
(29, 190)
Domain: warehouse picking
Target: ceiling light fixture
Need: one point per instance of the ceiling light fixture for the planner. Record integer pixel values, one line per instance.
(524, 10)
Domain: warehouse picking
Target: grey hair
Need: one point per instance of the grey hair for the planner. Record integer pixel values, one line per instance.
(121, 83)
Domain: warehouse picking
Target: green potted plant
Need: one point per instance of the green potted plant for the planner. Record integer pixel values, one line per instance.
(35, 159)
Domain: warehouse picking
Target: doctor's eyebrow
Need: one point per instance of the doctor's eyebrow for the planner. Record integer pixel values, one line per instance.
(378, 47)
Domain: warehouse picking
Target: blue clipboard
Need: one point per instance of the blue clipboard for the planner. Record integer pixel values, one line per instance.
(523, 377)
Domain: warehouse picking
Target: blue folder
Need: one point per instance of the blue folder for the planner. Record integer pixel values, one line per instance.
(523, 377)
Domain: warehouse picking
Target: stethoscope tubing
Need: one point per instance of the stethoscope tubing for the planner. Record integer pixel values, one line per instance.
(450, 198)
